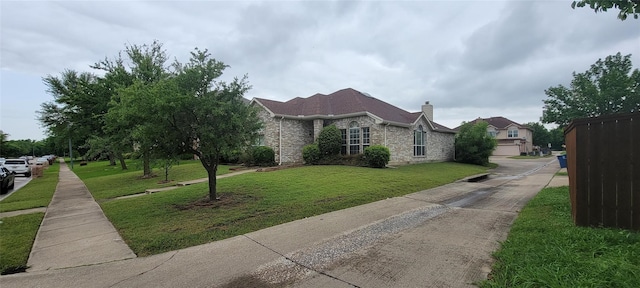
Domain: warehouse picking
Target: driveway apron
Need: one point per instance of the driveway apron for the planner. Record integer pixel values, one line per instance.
(75, 231)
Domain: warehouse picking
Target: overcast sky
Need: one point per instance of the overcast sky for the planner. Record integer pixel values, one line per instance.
(468, 58)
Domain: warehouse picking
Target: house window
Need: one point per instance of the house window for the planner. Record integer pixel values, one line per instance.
(354, 138)
(366, 136)
(259, 140)
(343, 134)
(418, 141)
(492, 132)
(512, 132)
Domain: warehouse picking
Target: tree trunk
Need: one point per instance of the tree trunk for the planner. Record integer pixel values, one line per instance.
(112, 159)
(122, 163)
(212, 182)
(146, 163)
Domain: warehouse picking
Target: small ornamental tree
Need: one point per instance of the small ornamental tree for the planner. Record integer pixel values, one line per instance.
(377, 156)
(311, 154)
(473, 144)
(329, 141)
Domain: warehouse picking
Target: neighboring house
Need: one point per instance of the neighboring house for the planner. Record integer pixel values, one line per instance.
(363, 121)
(512, 137)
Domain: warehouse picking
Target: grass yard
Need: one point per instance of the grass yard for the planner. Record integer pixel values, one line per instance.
(182, 218)
(107, 182)
(37, 193)
(18, 234)
(545, 249)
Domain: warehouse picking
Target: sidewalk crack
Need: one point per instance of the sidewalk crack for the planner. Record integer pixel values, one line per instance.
(302, 264)
(145, 272)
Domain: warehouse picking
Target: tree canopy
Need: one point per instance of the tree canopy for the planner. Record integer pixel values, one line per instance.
(143, 104)
(610, 86)
(626, 7)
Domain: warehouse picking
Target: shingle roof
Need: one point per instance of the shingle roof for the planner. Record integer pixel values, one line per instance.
(498, 122)
(343, 102)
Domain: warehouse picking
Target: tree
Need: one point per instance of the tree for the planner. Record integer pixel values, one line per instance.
(133, 112)
(626, 7)
(541, 136)
(3, 139)
(204, 116)
(608, 87)
(557, 138)
(329, 141)
(473, 144)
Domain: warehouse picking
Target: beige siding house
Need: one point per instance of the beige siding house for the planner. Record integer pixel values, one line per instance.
(363, 120)
(513, 138)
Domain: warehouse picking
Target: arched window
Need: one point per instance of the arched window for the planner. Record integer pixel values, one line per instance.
(419, 136)
(512, 132)
(354, 138)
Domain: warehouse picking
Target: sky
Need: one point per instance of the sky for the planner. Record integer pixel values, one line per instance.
(469, 59)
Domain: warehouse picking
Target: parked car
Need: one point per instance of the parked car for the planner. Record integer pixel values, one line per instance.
(18, 166)
(42, 161)
(2, 161)
(7, 179)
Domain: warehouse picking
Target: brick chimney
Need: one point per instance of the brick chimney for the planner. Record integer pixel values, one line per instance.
(427, 109)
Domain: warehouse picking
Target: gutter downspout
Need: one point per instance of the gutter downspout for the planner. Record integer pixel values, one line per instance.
(280, 145)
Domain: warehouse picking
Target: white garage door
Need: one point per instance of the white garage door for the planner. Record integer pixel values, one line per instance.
(507, 150)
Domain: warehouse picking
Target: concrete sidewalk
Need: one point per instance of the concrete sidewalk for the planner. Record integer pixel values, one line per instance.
(75, 232)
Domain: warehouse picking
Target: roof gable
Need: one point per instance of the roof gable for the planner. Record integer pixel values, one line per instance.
(498, 122)
(342, 102)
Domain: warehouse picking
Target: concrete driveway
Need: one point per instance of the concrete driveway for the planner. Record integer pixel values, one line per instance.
(440, 237)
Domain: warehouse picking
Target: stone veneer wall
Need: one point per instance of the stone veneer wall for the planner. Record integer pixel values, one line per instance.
(399, 140)
(295, 134)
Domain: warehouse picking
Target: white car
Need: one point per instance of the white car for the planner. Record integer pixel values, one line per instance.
(42, 161)
(18, 166)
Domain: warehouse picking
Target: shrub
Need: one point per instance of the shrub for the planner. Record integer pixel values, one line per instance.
(473, 144)
(264, 156)
(311, 154)
(230, 156)
(329, 141)
(377, 156)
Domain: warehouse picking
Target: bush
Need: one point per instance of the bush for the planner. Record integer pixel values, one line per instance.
(264, 156)
(329, 141)
(311, 154)
(473, 144)
(230, 157)
(377, 156)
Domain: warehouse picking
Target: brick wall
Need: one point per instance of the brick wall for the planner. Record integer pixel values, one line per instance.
(298, 133)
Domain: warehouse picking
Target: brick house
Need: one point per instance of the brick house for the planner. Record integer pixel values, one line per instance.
(363, 120)
(513, 138)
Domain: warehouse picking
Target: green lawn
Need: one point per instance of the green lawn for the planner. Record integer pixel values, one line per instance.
(18, 234)
(182, 218)
(545, 249)
(107, 182)
(37, 193)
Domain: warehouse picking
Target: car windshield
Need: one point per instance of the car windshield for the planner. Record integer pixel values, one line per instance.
(14, 162)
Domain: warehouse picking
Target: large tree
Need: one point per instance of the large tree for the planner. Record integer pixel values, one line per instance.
(132, 116)
(626, 7)
(608, 87)
(206, 116)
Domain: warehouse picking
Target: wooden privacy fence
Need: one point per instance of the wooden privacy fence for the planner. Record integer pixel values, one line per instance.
(603, 162)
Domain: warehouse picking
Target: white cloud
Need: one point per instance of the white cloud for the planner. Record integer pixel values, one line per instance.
(469, 58)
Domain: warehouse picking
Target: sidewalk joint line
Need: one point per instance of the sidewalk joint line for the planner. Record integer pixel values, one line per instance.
(302, 265)
(147, 271)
